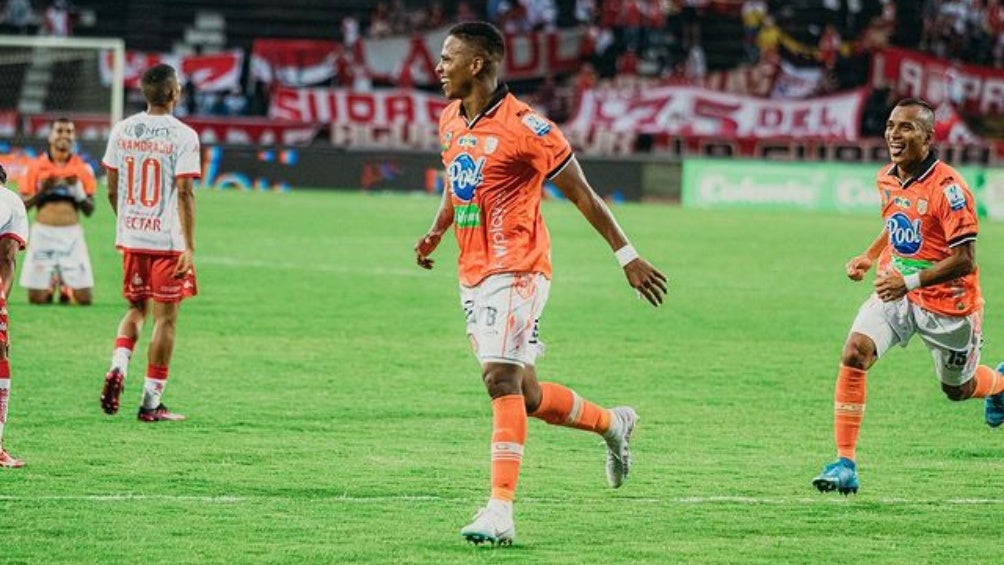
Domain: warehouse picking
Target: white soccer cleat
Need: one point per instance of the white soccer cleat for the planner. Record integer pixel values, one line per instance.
(618, 453)
(495, 528)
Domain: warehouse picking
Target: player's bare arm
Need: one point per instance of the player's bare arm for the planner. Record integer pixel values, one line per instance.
(8, 255)
(642, 276)
(430, 241)
(112, 179)
(859, 265)
(892, 286)
(186, 214)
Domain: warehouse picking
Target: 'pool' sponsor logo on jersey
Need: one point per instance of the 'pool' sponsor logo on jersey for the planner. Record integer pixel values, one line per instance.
(465, 175)
(536, 125)
(904, 235)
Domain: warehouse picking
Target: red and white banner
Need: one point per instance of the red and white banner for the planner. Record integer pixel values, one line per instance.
(694, 112)
(974, 89)
(294, 62)
(214, 72)
(343, 106)
(261, 131)
(408, 61)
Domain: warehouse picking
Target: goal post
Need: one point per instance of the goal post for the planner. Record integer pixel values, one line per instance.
(71, 76)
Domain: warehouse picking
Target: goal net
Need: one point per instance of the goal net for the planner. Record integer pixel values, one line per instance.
(42, 78)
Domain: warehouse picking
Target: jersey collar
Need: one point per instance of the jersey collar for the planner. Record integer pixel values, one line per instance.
(926, 167)
(500, 93)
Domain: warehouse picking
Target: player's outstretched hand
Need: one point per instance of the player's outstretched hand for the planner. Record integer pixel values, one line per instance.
(425, 246)
(647, 281)
(858, 266)
(184, 264)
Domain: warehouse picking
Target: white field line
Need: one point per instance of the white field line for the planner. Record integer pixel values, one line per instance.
(348, 499)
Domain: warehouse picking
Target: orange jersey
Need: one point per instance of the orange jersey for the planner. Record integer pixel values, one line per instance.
(44, 168)
(16, 165)
(496, 165)
(924, 218)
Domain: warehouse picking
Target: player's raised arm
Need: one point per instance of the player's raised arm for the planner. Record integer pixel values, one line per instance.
(642, 276)
(430, 241)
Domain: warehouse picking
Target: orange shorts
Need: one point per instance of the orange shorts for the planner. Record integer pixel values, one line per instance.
(152, 276)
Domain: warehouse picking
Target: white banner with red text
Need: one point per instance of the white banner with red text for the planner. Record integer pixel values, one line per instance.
(214, 72)
(971, 88)
(695, 112)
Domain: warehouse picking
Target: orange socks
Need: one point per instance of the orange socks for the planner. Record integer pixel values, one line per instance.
(560, 406)
(848, 409)
(988, 382)
(508, 437)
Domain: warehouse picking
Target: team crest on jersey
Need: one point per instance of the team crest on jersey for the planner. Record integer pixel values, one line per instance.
(467, 141)
(465, 175)
(904, 235)
(491, 144)
(902, 202)
(922, 206)
(956, 198)
(445, 144)
(536, 124)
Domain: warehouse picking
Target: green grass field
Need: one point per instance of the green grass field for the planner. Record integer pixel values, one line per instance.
(336, 414)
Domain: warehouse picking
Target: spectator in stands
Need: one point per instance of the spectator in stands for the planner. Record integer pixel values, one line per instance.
(234, 102)
(465, 13)
(542, 15)
(512, 17)
(19, 17)
(350, 31)
(380, 22)
(57, 19)
(585, 12)
(435, 16)
(697, 63)
(400, 20)
(829, 47)
(753, 14)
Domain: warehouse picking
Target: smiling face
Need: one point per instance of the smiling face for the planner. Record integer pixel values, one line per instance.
(62, 136)
(908, 134)
(457, 67)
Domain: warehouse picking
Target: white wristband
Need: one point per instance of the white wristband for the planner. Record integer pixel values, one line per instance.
(625, 255)
(912, 281)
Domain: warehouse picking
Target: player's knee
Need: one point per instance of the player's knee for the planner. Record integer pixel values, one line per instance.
(502, 380)
(39, 297)
(858, 354)
(957, 393)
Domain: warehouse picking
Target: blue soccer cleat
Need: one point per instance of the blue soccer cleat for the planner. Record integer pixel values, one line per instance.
(841, 476)
(993, 406)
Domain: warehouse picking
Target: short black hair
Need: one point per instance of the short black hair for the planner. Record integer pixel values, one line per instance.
(60, 120)
(486, 37)
(926, 115)
(3, 175)
(158, 84)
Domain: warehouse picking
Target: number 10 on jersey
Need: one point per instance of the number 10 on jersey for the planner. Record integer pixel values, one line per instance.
(149, 181)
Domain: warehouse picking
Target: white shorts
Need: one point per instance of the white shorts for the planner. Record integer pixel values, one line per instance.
(56, 250)
(954, 341)
(503, 314)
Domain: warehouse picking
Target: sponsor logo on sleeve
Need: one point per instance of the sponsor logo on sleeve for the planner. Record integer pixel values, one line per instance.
(536, 124)
(956, 197)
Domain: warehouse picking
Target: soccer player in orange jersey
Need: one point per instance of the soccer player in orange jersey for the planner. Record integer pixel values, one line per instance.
(13, 232)
(152, 160)
(497, 153)
(59, 185)
(927, 284)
